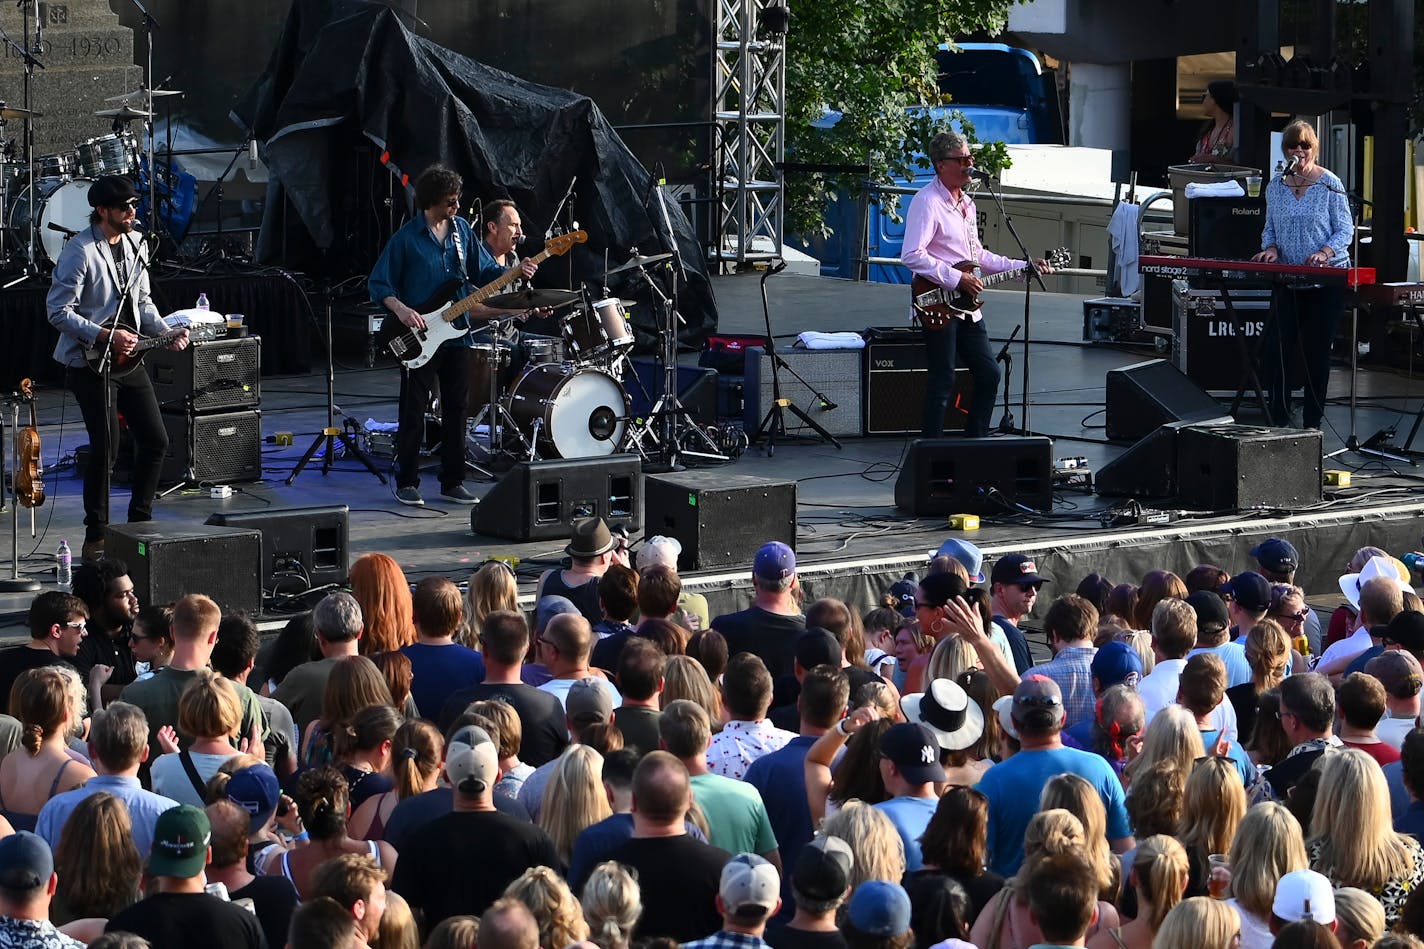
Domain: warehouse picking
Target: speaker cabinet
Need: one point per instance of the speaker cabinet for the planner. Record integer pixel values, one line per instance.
(834, 373)
(896, 374)
(167, 561)
(215, 449)
(696, 389)
(1147, 394)
(308, 542)
(1225, 228)
(720, 519)
(1146, 470)
(215, 375)
(975, 475)
(539, 500)
(1237, 467)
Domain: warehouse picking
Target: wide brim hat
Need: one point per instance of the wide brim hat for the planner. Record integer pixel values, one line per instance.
(591, 537)
(947, 710)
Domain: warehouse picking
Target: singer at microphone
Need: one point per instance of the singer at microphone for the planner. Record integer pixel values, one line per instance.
(1308, 225)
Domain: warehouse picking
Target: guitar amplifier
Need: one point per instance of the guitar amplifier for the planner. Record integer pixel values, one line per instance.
(212, 449)
(834, 373)
(895, 375)
(209, 376)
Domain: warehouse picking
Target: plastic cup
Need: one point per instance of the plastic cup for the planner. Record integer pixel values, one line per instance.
(1218, 883)
(1253, 185)
(234, 321)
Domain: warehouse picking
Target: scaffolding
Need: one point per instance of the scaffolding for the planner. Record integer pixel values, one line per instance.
(749, 106)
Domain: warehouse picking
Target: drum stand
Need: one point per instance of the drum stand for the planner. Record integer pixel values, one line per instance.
(495, 415)
(31, 266)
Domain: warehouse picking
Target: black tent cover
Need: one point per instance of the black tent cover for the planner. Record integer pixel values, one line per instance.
(339, 62)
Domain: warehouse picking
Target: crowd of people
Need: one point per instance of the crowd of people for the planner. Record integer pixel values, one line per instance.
(1190, 761)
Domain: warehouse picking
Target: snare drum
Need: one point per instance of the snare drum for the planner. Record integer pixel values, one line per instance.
(55, 166)
(582, 412)
(543, 349)
(484, 361)
(115, 154)
(600, 332)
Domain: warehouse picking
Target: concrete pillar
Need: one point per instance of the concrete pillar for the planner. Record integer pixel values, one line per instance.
(1099, 105)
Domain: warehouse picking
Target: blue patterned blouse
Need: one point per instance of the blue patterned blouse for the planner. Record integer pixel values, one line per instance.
(1299, 227)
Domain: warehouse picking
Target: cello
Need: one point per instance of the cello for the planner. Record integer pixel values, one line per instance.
(29, 484)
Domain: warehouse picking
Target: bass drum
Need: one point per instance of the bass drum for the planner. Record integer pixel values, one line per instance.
(580, 413)
(65, 203)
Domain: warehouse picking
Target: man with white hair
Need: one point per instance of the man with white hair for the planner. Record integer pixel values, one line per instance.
(692, 612)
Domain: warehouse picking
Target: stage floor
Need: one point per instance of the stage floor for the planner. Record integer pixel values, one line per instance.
(850, 539)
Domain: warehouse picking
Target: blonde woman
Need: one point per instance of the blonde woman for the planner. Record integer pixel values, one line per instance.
(1266, 847)
(1352, 840)
(48, 701)
(879, 851)
(1198, 923)
(612, 904)
(397, 929)
(1214, 804)
(951, 658)
(1268, 653)
(492, 587)
(1005, 921)
(1359, 916)
(210, 712)
(684, 678)
(1075, 795)
(549, 898)
(1172, 735)
(1159, 877)
(574, 799)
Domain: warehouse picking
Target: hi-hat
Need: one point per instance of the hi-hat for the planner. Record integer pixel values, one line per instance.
(532, 299)
(637, 262)
(124, 113)
(139, 96)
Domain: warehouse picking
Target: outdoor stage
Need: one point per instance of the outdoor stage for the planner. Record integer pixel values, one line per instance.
(851, 541)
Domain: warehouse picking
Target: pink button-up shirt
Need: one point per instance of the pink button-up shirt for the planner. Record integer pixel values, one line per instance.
(940, 232)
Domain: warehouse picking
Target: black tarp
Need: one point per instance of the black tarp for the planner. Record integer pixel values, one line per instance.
(346, 71)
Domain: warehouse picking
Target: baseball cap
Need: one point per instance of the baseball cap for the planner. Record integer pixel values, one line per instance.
(25, 862)
(774, 561)
(1004, 708)
(966, 553)
(913, 749)
(1118, 663)
(551, 606)
(1398, 671)
(905, 592)
(255, 790)
(1407, 629)
(1015, 568)
(946, 709)
(879, 908)
(1276, 554)
(1211, 609)
(1249, 589)
(822, 870)
(659, 550)
(589, 702)
(818, 647)
(471, 760)
(111, 191)
(1038, 702)
(750, 887)
(1304, 894)
(180, 843)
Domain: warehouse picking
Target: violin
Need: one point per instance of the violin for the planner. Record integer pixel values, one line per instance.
(29, 485)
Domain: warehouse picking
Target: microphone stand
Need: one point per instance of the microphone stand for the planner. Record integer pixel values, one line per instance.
(774, 424)
(1033, 275)
(1006, 424)
(31, 268)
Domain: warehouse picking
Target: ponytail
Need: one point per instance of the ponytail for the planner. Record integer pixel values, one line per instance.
(416, 751)
(1162, 869)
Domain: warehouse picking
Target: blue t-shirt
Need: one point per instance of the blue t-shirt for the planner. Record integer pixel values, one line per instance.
(437, 672)
(910, 815)
(1244, 767)
(1233, 655)
(1013, 787)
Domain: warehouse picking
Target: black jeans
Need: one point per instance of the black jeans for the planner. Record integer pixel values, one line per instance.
(132, 395)
(448, 372)
(1307, 318)
(966, 343)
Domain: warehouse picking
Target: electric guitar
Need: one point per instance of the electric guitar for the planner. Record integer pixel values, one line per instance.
(936, 306)
(414, 348)
(121, 365)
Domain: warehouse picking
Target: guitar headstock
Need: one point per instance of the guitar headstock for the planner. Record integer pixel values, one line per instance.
(1059, 257)
(558, 246)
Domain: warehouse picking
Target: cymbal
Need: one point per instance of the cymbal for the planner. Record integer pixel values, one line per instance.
(532, 299)
(8, 113)
(636, 262)
(124, 114)
(139, 96)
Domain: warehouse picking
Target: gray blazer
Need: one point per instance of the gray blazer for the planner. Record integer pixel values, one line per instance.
(85, 293)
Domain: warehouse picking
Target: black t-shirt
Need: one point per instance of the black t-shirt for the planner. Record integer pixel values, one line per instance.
(1244, 701)
(772, 636)
(784, 937)
(786, 690)
(679, 877)
(639, 726)
(99, 648)
(274, 898)
(183, 920)
(929, 898)
(18, 659)
(461, 863)
(546, 734)
(415, 812)
(606, 650)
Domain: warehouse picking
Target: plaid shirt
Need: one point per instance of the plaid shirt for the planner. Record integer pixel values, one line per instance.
(725, 940)
(1072, 669)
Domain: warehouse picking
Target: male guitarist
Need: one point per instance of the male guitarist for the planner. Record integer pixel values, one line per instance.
(428, 250)
(942, 230)
(103, 272)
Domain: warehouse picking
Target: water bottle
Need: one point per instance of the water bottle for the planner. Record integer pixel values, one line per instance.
(63, 566)
(202, 303)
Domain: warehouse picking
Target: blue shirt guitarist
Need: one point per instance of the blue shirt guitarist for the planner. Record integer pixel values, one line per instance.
(100, 283)
(421, 258)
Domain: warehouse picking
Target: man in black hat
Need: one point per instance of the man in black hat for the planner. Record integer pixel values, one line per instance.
(99, 301)
(1013, 585)
(591, 549)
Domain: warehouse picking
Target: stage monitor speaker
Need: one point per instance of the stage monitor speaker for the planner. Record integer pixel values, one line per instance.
(696, 389)
(720, 519)
(1241, 467)
(1146, 470)
(976, 475)
(168, 561)
(896, 374)
(216, 449)
(539, 500)
(309, 543)
(1225, 228)
(834, 373)
(1147, 394)
(215, 375)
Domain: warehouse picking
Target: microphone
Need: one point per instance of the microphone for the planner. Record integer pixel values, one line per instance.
(252, 154)
(1292, 165)
(62, 229)
(979, 175)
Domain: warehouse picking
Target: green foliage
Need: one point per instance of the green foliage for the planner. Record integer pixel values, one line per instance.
(869, 61)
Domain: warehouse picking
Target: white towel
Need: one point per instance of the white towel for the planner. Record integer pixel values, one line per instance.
(814, 340)
(1215, 189)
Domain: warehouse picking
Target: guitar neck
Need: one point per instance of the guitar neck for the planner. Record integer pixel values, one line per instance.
(460, 307)
(1006, 275)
